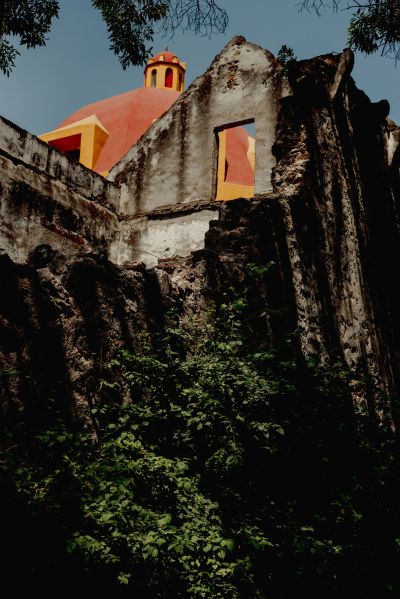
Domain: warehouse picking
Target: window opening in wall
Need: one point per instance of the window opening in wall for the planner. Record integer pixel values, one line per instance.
(180, 82)
(153, 78)
(169, 76)
(236, 145)
(70, 146)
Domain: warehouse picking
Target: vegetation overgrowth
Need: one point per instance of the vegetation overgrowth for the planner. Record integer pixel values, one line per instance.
(236, 469)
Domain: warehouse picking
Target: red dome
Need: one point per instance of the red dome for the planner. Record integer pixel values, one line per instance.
(168, 56)
(126, 118)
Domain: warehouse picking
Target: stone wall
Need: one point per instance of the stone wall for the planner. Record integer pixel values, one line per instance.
(176, 160)
(47, 198)
(337, 187)
(164, 233)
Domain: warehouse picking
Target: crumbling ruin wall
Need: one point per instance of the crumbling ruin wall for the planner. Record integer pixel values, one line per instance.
(175, 231)
(47, 198)
(330, 227)
(162, 199)
(339, 204)
(176, 160)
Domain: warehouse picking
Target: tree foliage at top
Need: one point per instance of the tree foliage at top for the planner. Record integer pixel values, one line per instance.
(374, 24)
(28, 20)
(131, 24)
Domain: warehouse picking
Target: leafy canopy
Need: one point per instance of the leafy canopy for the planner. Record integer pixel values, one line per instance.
(131, 24)
(28, 20)
(374, 24)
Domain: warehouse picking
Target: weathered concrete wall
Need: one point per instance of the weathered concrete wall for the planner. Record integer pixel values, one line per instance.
(47, 198)
(176, 160)
(338, 211)
(152, 238)
(23, 147)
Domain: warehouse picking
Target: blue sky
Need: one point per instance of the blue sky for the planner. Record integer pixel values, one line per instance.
(76, 67)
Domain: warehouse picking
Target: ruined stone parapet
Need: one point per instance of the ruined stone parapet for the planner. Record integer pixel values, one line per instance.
(24, 148)
(48, 198)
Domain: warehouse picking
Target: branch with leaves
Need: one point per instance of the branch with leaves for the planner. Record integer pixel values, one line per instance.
(374, 25)
(131, 24)
(28, 20)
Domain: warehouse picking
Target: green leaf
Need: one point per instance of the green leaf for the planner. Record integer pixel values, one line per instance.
(123, 578)
(164, 520)
(228, 543)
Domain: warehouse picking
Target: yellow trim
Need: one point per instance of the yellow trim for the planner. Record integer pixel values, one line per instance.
(251, 152)
(93, 137)
(231, 191)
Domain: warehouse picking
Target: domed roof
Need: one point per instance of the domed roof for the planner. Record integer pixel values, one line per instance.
(165, 56)
(126, 117)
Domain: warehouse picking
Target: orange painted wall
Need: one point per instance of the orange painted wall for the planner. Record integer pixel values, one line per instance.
(126, 117)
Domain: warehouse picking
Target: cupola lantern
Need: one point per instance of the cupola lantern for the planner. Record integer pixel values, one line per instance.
(165, 71)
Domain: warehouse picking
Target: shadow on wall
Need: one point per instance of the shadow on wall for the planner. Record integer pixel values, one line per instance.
(33, 350)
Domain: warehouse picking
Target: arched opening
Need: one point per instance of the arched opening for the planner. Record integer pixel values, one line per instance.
(169, 76)
(180, 82)
(154, 78)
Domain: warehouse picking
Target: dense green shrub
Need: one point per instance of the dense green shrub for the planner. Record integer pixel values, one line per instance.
(233, 471)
